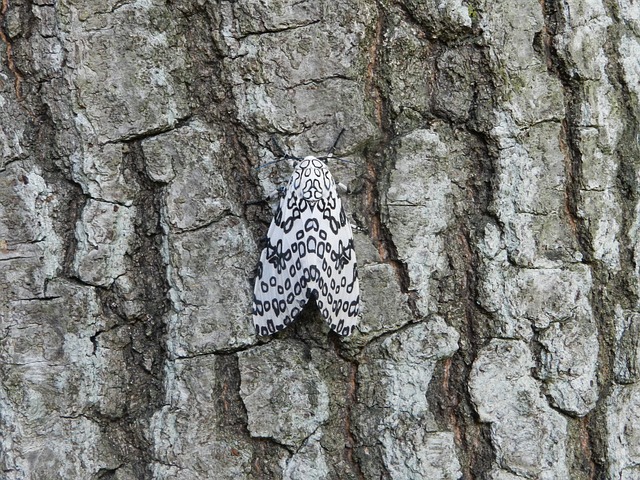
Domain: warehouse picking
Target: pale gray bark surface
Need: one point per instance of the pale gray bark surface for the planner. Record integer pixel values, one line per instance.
(496, 178)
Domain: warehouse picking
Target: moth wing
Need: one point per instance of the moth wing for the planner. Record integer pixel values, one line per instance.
(280, 290)
(338, 289)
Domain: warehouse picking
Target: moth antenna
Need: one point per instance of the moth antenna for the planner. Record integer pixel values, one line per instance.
(269, 163)
(344, 160)
(335, 144)
(275, 143)
(333, 148)
(280, 153)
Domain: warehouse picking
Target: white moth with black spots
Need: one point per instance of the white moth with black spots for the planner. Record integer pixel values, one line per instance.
(309, 254)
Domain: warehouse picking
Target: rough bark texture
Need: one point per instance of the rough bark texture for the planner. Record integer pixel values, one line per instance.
(496, 178)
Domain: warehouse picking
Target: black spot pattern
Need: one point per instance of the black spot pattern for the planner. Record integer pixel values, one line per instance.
(309, 254)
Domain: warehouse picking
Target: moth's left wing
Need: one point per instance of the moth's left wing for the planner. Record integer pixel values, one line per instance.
(281, 287)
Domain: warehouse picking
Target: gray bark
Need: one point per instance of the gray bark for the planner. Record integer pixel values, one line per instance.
(496, 178)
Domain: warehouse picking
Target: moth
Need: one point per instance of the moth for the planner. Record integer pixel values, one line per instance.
(310, 254)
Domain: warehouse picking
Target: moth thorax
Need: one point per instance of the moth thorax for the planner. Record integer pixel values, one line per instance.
(313, 180)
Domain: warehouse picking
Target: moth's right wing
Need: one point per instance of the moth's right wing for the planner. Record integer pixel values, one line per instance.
(338, 286)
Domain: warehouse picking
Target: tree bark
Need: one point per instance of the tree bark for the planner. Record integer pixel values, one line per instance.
(495, 175)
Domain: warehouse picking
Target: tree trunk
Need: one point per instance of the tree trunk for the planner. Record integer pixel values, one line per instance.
(494, 169)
